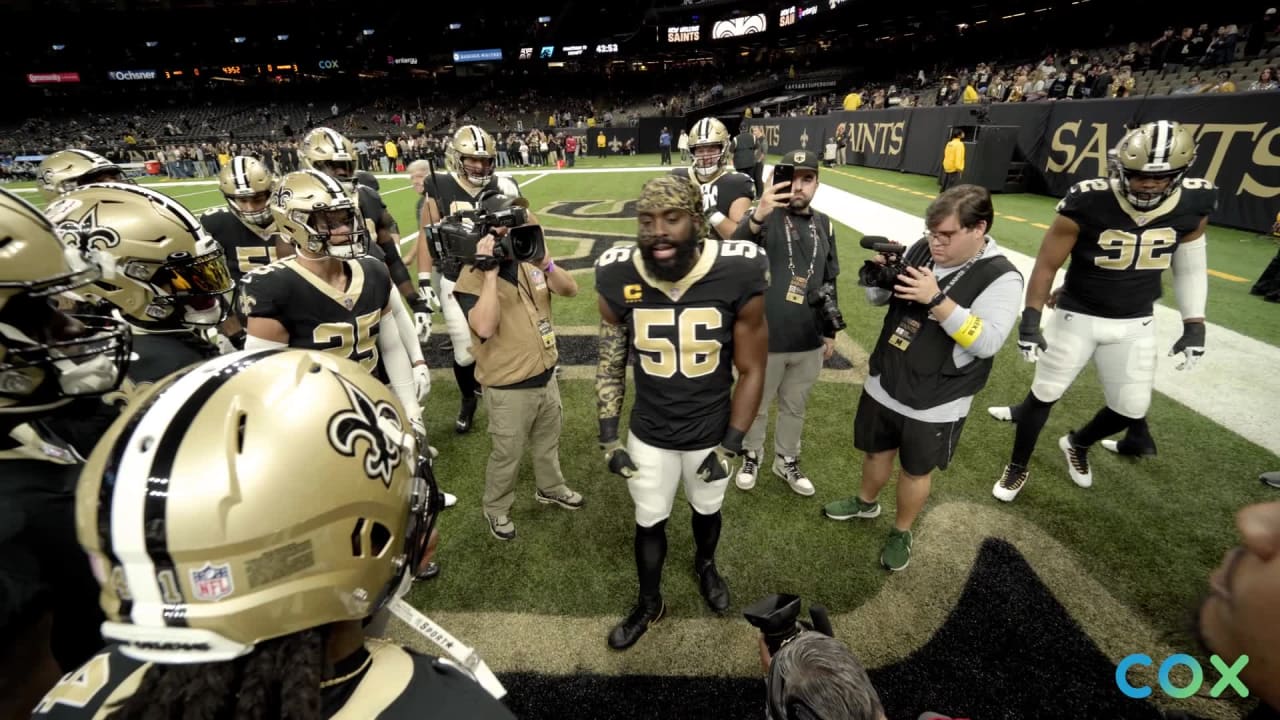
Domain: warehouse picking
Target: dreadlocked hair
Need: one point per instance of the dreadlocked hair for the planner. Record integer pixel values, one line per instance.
(279, 679)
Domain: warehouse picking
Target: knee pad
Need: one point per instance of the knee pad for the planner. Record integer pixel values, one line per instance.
(706, 498)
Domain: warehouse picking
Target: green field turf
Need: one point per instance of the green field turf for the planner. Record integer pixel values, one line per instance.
(1148, 533)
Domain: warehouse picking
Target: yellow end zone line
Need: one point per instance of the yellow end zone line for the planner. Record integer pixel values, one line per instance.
(1013, 218)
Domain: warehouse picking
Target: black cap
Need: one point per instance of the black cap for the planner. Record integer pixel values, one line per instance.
(806, 159)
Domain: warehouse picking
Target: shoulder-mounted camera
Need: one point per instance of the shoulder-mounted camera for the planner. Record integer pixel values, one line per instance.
(457, 235)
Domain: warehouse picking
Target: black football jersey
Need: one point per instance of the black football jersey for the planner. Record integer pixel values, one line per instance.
(682, 337)
(1121, 252)
(317, 315)
(720, 193)
(371, 208)
(244, 247)
(451, 197)
(385, 682)
(156, 355)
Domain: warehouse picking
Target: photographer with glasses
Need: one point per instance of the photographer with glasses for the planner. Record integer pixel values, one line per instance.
(800, 307)
(953, 299)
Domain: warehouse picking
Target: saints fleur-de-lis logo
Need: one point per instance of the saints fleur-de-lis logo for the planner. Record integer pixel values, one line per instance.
(86, 234)
(283, 196)
(357, 430)
(804, 138)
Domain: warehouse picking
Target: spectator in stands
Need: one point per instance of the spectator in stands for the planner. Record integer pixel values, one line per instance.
(853, 100)
(1182, 51)
(1161, 48)
(1194, 85)
(1224, 83)
(953, 160)
(1266, 80)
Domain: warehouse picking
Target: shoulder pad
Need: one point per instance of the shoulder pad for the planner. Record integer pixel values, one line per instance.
(1083, 192)
(1202, 195)
(508, 186)
(618, 255)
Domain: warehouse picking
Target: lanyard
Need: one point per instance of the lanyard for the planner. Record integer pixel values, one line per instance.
(954, 277)
(813, 255)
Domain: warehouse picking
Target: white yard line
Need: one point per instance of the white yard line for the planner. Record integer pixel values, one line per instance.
(1236, 383)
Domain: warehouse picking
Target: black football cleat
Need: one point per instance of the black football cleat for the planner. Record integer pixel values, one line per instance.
(646, 612)
(713, 587)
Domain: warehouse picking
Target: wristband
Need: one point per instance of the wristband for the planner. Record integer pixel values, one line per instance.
(717, 218)
(608, 430)
(937, 300)
(754, 220)
(551, 267)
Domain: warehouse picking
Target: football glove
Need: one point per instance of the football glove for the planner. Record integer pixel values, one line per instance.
(618, 459)
(422, 381)
(428, 293)
(718, 464)
(1031, 342)
(1191, 345)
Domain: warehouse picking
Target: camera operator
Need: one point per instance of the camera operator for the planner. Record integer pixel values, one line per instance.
(801, 310)
(953, 299)
(809, 674)
(505, 293)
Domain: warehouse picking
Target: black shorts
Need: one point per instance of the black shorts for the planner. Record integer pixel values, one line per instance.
(921, 446)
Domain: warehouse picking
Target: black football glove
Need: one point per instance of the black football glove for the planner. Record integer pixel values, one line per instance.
(719, 463)
(619, 460)
(1191, 345)
(1031, 342)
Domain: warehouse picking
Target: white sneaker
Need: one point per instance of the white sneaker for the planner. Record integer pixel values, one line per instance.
(1077, 461)
(746, 477)
(1010, 483)
(1112, 445)
(788, 468)
(1003, 413)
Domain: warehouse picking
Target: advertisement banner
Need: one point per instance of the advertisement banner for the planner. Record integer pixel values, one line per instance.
(131, 74)
(46, 78)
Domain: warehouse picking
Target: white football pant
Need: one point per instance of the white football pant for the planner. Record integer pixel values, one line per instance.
(659, 471)
(456, 322)
(1124, 351)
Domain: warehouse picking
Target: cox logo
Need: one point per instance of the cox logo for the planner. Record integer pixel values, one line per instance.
(329, 65)
(1229, 676)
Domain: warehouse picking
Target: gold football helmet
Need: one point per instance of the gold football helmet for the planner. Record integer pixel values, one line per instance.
(709, 133)
(48, 358)
(1161, 149)
(169, 272)
(308, 206)
(471, 141)
(330, 152)
(243, 181)
(67, 170)
(249, 538)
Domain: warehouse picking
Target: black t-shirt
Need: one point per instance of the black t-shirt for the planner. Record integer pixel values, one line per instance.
(681, 335)
(795, 327)
(1120, 252)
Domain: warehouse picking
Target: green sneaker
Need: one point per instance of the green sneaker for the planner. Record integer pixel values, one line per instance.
(897, 550)
(852, 507)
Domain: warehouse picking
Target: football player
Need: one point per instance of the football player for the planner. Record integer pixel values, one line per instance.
(245, 228)
(331, 153)
(67, 170)
(1121, 233)
(47, 360)
(471, 159)
(692, 309)
(244, 520)
(170, 281)
(330, 295)
(726, 193)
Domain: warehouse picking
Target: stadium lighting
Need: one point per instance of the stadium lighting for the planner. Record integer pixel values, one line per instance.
(152, 43)
(57, 48)
(368, 31)
(282, 37)
(239, 39)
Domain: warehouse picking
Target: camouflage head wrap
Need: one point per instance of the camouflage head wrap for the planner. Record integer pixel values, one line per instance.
(669, 191)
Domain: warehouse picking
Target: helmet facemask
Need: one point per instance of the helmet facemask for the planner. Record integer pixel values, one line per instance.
(707, 165)
(1147, 200)
(258, 218)
(476, 180)
(319, 225)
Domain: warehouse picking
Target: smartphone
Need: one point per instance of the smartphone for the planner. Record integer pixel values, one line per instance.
(783, 173)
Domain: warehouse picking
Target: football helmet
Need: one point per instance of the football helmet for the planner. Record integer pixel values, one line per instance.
(48, 358)
(169, 272)
(471, 141)
(67, 170)
(308, 204)
(209, 532)
(1162, 149)
(709, 132)
(330, 152)
(247, 177)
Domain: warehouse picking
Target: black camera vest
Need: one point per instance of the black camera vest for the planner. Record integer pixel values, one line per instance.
(925, 374)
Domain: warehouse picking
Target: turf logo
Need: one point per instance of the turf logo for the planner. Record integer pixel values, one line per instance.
(1230, 676)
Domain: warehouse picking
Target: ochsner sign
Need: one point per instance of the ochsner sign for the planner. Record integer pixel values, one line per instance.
(131, 75)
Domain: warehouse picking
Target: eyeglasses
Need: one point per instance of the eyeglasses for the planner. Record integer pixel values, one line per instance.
(943, 238)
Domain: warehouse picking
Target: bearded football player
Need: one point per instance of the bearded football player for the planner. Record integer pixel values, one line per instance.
(170, 280)
(48, 359)
(691, 310)
(321, 518)
(726, 193)
(1121, 234)
(471, 159)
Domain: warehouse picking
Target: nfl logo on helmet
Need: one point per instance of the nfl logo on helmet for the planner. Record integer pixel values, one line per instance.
(212, 582)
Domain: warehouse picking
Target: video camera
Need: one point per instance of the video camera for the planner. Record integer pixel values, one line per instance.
(777, 618)
(884, 276)
(457, 235)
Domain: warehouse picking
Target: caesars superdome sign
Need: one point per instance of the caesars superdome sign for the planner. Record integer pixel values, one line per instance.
(131, 75)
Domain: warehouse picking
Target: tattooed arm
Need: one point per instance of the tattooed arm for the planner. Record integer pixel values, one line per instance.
(611, 389)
